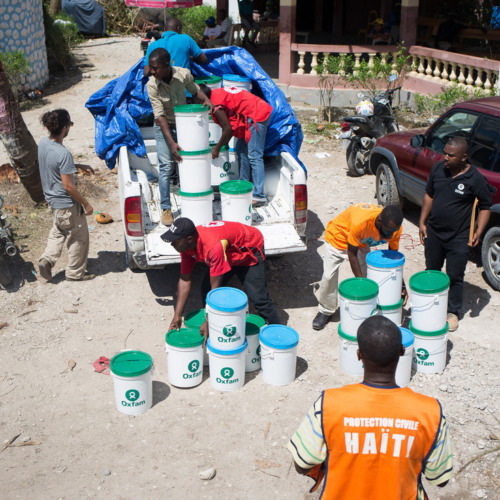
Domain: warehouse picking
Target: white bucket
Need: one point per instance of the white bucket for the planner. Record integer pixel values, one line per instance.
(236, 201)
(233, 160)
(430, 348)
(237, 81)
(253, 325)
(133, 382)
(212, 82)
(232, 144)
(227, 368)
(214, 132)
(184, 350)
(194, 320)
(394, 313)
(278, 354)
(191, 121)
(222, 169)
(226, 312)
(357, 301)
(197, 206)
(403, 371)
(385, 267)
(195, 171)
(348, 349)
(429, 300)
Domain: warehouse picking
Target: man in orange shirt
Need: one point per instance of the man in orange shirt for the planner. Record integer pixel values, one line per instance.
(350, 236)
(374, 440)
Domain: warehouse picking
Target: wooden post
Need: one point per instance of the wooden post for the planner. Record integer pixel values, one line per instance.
(288, 13)
(409, 16)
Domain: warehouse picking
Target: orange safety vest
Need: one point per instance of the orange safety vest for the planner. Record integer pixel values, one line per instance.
(377, 441)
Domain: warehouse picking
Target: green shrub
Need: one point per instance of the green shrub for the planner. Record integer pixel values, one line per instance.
(16, 65)
(193, 19)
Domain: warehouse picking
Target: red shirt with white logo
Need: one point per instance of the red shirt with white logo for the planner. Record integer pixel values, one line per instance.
(240, 105)
(222, 245)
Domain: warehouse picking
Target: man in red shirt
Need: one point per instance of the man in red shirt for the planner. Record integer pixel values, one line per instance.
(246, 116)
(227, 248)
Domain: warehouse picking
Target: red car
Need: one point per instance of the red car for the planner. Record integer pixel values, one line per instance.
(402, 162)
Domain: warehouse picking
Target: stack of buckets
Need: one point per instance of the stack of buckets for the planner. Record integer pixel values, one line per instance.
(429, 305)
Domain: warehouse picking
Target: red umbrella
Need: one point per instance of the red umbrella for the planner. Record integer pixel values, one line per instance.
(162, 4)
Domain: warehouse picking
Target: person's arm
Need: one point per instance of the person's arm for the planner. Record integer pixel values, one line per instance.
(352, 254)
(205, 100)
(424, 215)
(215, 282)
(227, 132)
(482, 221)
(85, 168)
(161, 121)
(70, 188)
(183, 289)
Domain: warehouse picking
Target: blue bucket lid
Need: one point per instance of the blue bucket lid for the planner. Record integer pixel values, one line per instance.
(227, 299)
(236, 78)
(407, 338)
(385, 258)
(279, 336)
(239, 349)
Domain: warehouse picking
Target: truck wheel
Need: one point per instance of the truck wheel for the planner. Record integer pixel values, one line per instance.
(387, 189)
(356, 168)
(129, 260)
(490, 254)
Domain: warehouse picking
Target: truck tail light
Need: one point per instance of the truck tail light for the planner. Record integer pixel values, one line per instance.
(133, 216)
(300, 204)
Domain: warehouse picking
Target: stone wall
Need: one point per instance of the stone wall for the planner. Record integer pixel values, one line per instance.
(21, 28)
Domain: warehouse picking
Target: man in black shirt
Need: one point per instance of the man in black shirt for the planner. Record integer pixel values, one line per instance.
(444, 225)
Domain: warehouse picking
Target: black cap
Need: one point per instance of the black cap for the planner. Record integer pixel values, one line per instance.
(180, 228)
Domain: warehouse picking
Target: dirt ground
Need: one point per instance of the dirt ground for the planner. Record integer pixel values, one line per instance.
(77, 445)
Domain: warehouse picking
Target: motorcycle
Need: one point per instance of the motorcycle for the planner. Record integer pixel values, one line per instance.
(7, 248)
(374, 119)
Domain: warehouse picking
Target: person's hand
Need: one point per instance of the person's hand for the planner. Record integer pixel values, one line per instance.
(404, 296)
(85, 168)
(211, 107)
(215, 152)
(204, 332)
(89, 209)
(175, 148)
(475, 240)
(175, 324)
(422, 233)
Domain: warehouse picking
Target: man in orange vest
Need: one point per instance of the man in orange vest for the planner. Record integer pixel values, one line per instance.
(373, 440)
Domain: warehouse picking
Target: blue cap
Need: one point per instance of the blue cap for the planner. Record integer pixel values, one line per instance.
(385, 258)
(278, 336)
(210, 20)
(227, 299)
(239, 349)
(236, 78)
(407, 338)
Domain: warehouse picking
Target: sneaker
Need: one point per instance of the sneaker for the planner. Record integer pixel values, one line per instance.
(256, 203)
(452, 322)
(86, 277)
(320, 321)
(45, 268)
(166, 217)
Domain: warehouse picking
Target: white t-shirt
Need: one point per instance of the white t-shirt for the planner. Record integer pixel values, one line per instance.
(212, 33)
(226, 28)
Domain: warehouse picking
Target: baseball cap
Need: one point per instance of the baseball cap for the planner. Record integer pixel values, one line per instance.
(210, 20)
(180, 228)
(378, 21)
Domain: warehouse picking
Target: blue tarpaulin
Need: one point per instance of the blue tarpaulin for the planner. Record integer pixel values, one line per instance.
(123, 101)
(88, 15)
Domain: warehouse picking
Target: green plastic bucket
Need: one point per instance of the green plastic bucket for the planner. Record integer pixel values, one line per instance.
(194, 320)
(348, 349)
(252, 329)
(430, 348)
(236, 201)
(191, 122)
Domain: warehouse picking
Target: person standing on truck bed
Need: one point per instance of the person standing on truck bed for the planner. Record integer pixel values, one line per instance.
(182, 48)
(246, 116)
(228, 248)
(445, 219)
(167, 89)
(350, 236)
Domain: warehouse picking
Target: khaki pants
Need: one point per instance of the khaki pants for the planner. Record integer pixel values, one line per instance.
(70, 227)
(327, 293)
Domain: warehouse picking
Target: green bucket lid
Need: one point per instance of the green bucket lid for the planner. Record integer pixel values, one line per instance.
(131, 363)
(358, 289)
(191, 108)
(345, 336)
(429, 282)
(390, 308)
(253, 324)
(195, 153)
(195, 319)
(224, 148)
(436, 333)
(194, 195)
(185, 337)
(236, 187)
(208, 80)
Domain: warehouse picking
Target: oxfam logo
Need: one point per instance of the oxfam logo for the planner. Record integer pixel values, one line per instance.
(229, 330)
(258, 351)
(422, 354)
(132, 395)
(227, 373)
(250, 208)
(193, 366)
(226, 166)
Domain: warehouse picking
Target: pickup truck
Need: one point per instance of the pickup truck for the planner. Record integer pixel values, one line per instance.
(282, 220)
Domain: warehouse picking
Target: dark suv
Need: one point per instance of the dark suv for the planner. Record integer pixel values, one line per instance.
(402, 162)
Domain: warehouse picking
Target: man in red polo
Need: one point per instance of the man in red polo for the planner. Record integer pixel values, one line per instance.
(227, 248)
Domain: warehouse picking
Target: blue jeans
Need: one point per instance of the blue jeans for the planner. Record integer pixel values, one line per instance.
(252, 155)
(166, 164)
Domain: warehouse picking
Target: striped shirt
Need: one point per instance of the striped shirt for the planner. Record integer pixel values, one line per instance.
(309, 448)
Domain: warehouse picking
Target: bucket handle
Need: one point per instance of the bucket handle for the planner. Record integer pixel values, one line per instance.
(353, 316)
(266, 353)
(388, 277)
(426, 306)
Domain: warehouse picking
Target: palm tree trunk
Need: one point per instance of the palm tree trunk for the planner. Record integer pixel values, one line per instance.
(19, 143)
(55, 7)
